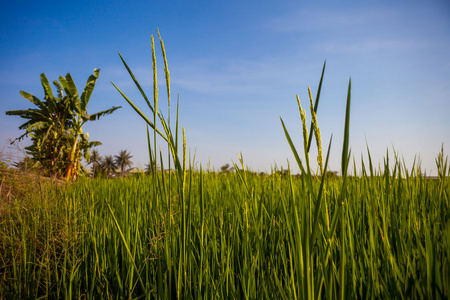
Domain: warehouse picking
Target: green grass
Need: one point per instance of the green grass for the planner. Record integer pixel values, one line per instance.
(240, 239)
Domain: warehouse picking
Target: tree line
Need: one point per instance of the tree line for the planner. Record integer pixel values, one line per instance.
(109, 164)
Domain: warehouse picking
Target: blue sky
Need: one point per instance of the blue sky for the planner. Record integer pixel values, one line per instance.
(237, 67)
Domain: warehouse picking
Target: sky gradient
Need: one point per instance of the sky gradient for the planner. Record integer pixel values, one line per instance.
(237, 67)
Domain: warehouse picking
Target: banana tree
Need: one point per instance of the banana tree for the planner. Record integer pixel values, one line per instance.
(78, 106)
(46, 125)
(55, 126)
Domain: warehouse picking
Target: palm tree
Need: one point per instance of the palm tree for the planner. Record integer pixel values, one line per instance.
(96, 161)
(109, 164)
(123, 160)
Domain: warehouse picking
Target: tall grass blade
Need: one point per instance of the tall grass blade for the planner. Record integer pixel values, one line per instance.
(126, 246)
(345, 151)
(135, 82)
(152, 125)
(316, 104)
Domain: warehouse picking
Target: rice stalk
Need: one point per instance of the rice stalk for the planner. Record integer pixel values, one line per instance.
(315, 127)
(305, 129)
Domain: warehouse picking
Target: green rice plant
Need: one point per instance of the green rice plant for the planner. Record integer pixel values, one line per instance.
(266, 239)
(38, 234)
(316, 133)
(306, 236)
(172, 145)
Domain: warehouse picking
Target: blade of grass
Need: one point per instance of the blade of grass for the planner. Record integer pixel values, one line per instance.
(316, 104)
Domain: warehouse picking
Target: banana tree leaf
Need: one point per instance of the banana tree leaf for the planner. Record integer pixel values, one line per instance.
(52, 104)
(102, 113)
(71, 99)
(20, 137)
(37, 126)
(75, 105)
(32, 114)
(38, 116)
(26, 124)
(59, 89)
(36, 101)
(63, 83)
(90, 84)
(65, 87)
(85, 136)
(95, 144)
(71, 86)
(86, 117)
(25, 112)
(47, 89)
(46, 134)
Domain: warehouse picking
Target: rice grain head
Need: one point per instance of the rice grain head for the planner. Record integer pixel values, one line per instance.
(155, 82)
(316, 133)
(184, 149)
(166, 67)
(305, 128)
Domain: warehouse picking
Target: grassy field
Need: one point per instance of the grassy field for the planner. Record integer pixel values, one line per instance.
(247, 237)
(196, 234)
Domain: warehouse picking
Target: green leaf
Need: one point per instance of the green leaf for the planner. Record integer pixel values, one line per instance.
(316, 105)
(85, 136)
(132, 258)
(59, 89)
(345, 152)
(28, 113)
(86, 117)
(36, 101)
(140, 113)
(73, 92)
(63, 83)
(102, 113)
(166, 68)
(291, 144)
(37, 126)
(319, 199)
(95, 144)
(136, 83)
(47, 89)
(87, 92)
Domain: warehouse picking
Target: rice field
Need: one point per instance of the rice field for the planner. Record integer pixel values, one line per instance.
(198, 234)
(229, 236)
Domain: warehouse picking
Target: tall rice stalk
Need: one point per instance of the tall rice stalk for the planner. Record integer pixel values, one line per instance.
(312, 284)
(180, 164)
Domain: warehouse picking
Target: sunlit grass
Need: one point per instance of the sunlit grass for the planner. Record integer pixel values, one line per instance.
(110, 237)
